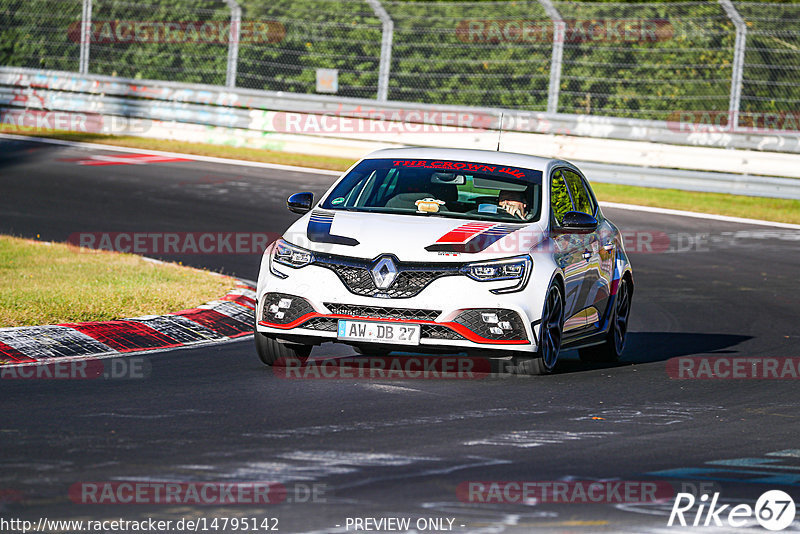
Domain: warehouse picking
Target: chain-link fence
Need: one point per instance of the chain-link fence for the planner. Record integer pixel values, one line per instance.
(675, 56)
(309, 35)
(116, 50)
(35, 34)
(641, 60)
(772, 57)
(465, 53)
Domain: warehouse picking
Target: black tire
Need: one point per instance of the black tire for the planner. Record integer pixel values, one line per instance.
(550, 335)
(270, 352)
(611, 349)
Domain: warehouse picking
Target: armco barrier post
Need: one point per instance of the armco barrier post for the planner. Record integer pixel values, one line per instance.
(559, 30)
(233, 43)
(86, 33)
(387, 34)
(738, 60)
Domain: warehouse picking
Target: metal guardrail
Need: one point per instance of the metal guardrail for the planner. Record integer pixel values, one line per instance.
(220, 106)
(708, 182)
(246, 109)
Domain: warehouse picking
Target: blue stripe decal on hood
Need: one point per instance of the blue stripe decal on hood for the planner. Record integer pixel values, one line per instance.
(319, 230)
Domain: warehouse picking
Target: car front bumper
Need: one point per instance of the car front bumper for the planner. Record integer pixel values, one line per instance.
(454, 312)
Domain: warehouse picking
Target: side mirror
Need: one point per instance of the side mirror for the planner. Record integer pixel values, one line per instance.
(300, 202)
(579, 222)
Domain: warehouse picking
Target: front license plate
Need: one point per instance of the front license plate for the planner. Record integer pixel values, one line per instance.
(396, 333)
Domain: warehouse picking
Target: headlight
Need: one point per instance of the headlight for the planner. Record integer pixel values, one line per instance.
(290, 255)
(518, 268)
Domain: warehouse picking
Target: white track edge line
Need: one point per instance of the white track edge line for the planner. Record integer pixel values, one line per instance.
(195, 157)
(681, 213)
(229, 161)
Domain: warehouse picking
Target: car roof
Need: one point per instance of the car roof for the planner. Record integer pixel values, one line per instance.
(464, 154)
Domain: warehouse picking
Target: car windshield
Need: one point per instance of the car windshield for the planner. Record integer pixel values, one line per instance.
(441, 188)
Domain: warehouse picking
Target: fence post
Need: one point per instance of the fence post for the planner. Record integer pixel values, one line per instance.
(738, 60)
(387, 34)
(559, 29)
(233, 42)
(86, 35)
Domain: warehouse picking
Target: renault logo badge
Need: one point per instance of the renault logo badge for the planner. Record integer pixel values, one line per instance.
(384, 273)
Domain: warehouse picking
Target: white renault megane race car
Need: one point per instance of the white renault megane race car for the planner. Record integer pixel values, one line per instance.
(457, 251)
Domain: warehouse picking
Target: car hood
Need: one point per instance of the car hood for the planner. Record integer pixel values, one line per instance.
(411, 238)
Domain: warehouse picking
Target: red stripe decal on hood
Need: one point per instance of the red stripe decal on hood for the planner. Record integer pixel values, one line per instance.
(464, 233)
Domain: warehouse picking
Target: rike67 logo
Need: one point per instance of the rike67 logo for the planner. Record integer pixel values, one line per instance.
(774, 510)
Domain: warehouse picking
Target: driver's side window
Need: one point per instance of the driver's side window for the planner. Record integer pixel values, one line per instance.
(560, 201)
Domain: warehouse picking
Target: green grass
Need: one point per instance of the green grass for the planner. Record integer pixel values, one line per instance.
(768, 209)
(51, 283)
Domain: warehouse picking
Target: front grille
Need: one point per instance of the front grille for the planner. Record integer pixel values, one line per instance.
(494, 324)
(380, 312)
(436, 331)
(326, 324)
(280, 308)
(411, 279)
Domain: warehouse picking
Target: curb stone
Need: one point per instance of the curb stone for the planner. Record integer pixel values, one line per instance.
(221, 320)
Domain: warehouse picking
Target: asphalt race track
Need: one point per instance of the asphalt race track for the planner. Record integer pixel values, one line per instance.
(401, 448)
